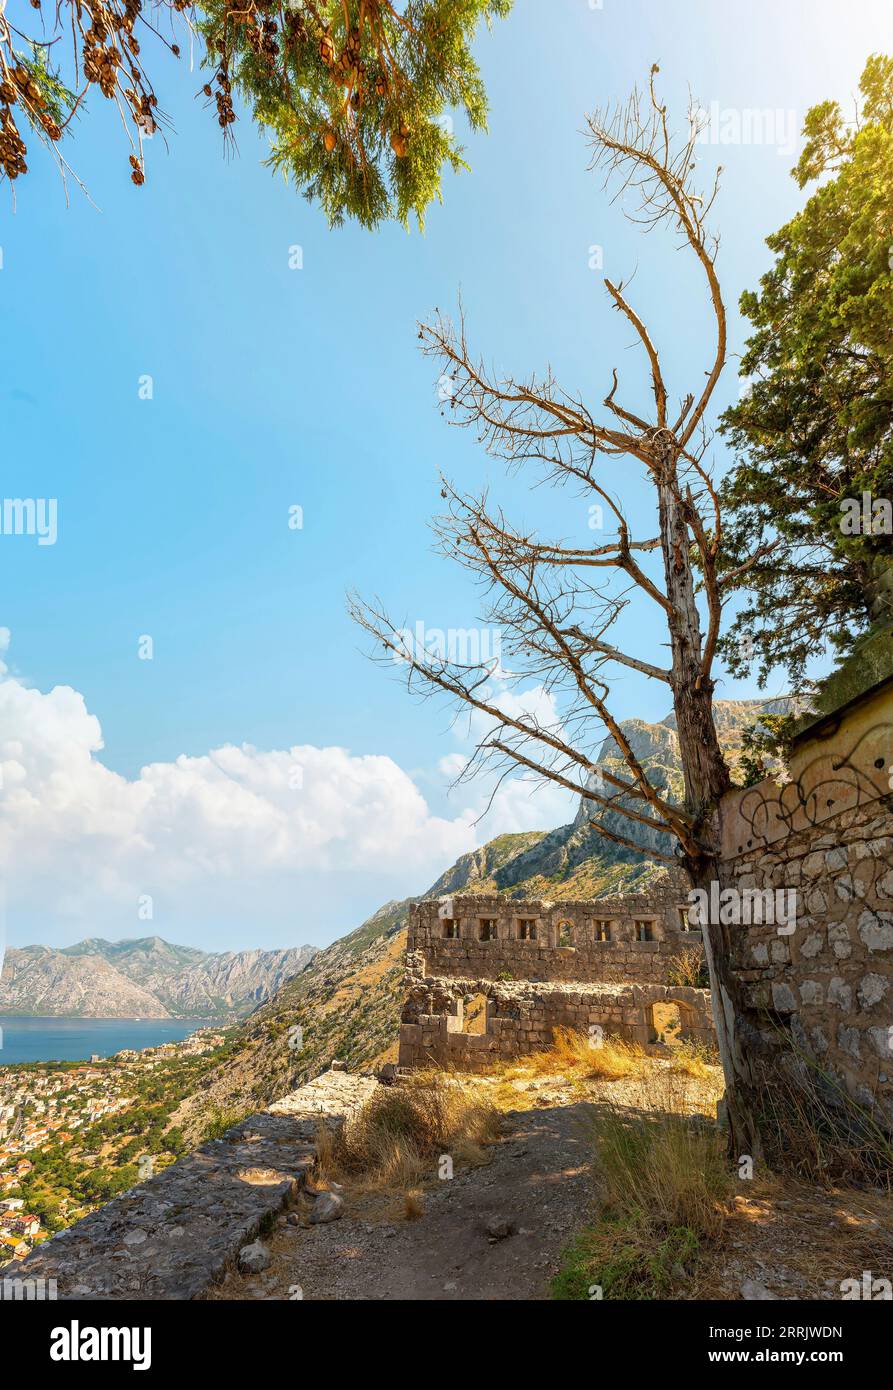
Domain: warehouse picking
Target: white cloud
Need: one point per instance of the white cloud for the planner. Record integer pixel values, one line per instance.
(235, 829)
(535, 706)
(301, 840)
(521, 802)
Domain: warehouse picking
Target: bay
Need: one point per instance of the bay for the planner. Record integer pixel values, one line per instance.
(31, 1039)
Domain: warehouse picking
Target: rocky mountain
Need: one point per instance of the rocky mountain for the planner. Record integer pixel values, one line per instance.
(38, 980)
(143, 978)
(237, 981)
(346, 1003)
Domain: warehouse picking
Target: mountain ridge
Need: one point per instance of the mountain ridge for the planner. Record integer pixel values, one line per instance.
(142, 977)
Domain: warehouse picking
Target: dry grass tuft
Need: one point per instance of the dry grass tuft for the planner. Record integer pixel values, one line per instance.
(413, 1206)
(573, 1055)
(688, 968)
(662, 1161)
(326, 1142)
(400, 1135)
(813, 1129)
(696, 1059)
(665, 1190)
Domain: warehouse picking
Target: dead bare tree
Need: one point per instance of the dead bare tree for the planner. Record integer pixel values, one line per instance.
(556, 603)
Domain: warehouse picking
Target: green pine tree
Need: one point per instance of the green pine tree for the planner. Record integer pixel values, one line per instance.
(816, 425)
(356, 96)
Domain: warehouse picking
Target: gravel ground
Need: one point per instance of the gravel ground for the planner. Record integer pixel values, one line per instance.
(491, 1232)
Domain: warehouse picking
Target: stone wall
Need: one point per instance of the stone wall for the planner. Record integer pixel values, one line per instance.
(521, 1017)
(543, 941)
(823, 990)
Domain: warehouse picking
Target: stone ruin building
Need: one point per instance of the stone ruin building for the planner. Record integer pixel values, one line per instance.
(490, 978)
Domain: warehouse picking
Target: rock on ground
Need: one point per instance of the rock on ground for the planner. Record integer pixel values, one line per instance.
(254, 1257)
(327, 1206)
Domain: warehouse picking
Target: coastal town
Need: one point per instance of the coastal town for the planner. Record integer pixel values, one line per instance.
(72, 1133)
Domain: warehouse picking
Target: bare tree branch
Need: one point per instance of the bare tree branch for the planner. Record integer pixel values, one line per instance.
(556, 603)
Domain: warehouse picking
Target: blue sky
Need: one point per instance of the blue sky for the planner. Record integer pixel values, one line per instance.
(273, 388)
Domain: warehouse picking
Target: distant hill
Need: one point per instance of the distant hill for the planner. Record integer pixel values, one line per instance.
(347, 1000)
(143, 978)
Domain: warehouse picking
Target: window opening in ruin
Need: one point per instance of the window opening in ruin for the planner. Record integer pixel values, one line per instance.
(565, 934)
(487, 929)
(644, 931)
(450, 928)
(602, 931)
(526, 929)
(474, 1014)
(666, 1020)
(685, 922)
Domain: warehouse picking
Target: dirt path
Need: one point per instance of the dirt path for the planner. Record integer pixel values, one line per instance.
(491, 1232)
(497, 1230)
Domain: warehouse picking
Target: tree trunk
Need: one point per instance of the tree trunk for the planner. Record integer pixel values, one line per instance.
(704, 767)
(706, 779)
(742, 1097)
